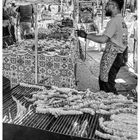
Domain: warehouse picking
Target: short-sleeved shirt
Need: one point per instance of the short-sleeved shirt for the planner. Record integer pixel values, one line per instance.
(117, 31)
(26, 12)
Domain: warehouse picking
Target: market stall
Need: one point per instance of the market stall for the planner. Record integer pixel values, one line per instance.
(44, 102)
(47, 55)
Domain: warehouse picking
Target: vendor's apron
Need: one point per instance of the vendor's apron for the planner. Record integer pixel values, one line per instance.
(107, 60)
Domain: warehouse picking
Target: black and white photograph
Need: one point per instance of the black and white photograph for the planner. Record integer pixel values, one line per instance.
(69, 70)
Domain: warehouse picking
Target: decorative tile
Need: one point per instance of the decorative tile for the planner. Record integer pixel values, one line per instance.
(42, 70)
(28, 56)
(41, 64)
(56, 65)
(21, 75)
(33, 69)
(6, 66)
(13, 60)
(63, 72)
(70, 60)
(64, 66)
(28, 62)
(56, 78)
(63, 84)
(41, 76)
(57, 83)
(49, 64)
(13, 67)
(68, 80)
(7, 74)
(14, 74)
(20, 68)
(52, 82)
(29, 78)
(70, 67)
(14, 80)
(13, 55)
(63, 79)
(20, 61)
(49, 59)
(55, 70)
(64, 60)
(70, 73)
(57, 59)
(49, 71)
(21, 80)
(6, 59)
(28, 69)
(41, 57)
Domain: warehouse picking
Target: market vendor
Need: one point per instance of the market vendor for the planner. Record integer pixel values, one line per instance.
(8, 25)
(115, 37)
(6, 22)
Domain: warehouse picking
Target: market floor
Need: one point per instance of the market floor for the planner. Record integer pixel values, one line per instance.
(88, 72)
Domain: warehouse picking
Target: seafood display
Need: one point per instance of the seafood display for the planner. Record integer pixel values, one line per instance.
(121, 126)
(64, 101)
(53, 31)
(98, 115)
(55, 39)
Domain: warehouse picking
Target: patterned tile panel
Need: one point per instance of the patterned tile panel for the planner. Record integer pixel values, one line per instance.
(54, 70)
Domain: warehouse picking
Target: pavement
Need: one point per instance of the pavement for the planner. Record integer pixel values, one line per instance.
(88, 72)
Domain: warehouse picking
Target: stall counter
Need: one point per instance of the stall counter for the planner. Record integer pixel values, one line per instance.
(52, 70)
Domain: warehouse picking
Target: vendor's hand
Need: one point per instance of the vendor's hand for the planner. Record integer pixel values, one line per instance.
(81, 33)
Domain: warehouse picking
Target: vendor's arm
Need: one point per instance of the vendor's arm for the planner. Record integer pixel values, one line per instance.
(108, 33)
(98, 38)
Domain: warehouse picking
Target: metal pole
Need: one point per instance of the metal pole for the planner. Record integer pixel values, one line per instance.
(86, 44)
(4, 3)
(124, 7)
(97, 3)
(61, 7)
(36, 45)
(102, 14)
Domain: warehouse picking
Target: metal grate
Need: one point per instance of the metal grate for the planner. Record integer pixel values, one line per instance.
(65, 124)
(62, 124)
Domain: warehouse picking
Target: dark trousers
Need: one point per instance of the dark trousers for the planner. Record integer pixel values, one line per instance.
(13, 33)
(8, 36)
(110, 85)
